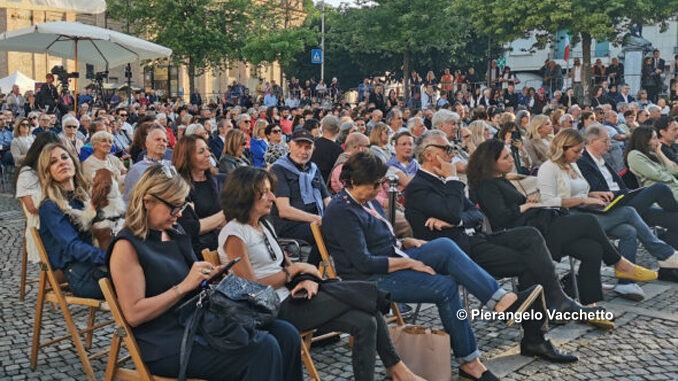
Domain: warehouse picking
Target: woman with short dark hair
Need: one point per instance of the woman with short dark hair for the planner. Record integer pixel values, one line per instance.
(364, 247)
(247, 198)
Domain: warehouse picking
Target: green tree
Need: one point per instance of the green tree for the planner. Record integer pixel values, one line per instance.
(405, 29)
(584, 19)
(201, 33)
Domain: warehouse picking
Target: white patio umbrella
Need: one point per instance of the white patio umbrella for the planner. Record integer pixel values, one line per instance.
(78, 41)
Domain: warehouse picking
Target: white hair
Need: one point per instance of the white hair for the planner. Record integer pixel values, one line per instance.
(192, 129)
(160, 115)
(443, 116)
(69, 118)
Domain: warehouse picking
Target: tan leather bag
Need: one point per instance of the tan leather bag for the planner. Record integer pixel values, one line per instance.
(425, 351)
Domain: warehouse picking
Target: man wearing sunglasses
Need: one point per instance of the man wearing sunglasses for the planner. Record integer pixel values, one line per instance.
(436, 206)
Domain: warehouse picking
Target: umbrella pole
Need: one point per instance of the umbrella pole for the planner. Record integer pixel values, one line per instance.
(75, 97)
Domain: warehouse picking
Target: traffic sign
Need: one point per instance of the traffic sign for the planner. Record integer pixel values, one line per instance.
(501, 62)
(316, 56)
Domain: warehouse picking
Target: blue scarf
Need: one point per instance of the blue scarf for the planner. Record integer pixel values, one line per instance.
(411, 168)
(309, 194)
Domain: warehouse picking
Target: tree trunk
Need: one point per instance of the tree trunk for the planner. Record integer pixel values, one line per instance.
(586, 67)
(406, 76)
(191, 79)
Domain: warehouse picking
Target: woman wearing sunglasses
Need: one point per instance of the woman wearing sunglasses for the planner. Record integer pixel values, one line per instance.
(64, 227)
(22, 140)
(233, 155)
(154, 269)
(276, 145)
(247, 198)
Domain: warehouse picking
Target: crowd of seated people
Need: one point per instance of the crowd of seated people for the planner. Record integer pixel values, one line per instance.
(483, 194)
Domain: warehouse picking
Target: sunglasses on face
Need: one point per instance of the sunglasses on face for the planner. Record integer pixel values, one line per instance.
(276, 131)
(380, 182)
(449, 149)
(24, 124)
(174, 209)
(123, 115)
(70, 126)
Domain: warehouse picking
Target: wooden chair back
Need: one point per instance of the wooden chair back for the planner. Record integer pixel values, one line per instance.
(123, 333)
(328, 269)
(50, 289)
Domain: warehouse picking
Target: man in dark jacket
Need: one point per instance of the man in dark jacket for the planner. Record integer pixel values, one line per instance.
(602, 178)
(48, 96)
(436, 206)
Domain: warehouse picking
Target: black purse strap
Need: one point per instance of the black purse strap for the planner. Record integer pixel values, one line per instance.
(187, 341)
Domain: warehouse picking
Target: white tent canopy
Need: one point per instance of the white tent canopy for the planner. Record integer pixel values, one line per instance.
(91, 44)
(17, 78)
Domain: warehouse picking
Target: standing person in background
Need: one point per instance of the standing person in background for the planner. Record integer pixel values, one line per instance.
(326, 148)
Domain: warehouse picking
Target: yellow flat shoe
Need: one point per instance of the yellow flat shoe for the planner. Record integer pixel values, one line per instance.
(640, 274)
(601, 323)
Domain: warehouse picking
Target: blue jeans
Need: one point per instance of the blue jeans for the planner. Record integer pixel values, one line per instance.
(83, 280)
(625, 224)
(452, 267)
(666, 215)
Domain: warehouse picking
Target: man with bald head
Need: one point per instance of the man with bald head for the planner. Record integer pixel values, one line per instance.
(156, 148)
(355, 142)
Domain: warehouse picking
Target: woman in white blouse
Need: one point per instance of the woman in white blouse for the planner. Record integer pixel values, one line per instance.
(28, 189)
(22, 140)
(561, 184)
(102, 158)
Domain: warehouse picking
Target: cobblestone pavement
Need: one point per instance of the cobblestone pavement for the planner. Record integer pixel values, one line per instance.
(643, 346)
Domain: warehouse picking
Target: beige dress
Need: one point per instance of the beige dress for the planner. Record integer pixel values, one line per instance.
(28, 185)
(112, 163)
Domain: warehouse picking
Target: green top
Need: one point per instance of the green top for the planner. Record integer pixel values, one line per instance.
(650, 172)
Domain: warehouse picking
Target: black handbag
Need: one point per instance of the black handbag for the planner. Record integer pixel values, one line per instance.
(227, 316)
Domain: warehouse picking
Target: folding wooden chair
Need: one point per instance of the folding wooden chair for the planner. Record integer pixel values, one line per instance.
(57, 293)
(123, 332)
(24, 259)
(327, 268)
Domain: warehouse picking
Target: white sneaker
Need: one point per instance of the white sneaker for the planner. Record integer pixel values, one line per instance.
(670, 262)
(630, 291)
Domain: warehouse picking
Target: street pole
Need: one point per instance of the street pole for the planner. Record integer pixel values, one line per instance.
(128, 71)
(322, 43)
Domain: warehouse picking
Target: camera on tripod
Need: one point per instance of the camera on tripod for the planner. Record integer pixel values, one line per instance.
(99, 76)
(63, 75)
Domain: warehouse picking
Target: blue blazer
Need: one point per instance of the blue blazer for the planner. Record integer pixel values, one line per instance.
(216, 145)
(359, 242)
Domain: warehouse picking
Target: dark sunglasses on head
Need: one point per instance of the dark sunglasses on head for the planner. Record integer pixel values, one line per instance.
(449, 149)
(174, 209)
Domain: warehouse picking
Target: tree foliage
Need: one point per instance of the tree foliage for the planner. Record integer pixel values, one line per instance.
(584, 19)
(203, 34)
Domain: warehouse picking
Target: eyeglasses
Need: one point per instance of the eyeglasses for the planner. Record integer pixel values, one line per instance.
(24, 124)
(123, 115)
(449, 149)
(169, 170)
(380, 182)
(174, 209)
(71, 126)
(276, 131)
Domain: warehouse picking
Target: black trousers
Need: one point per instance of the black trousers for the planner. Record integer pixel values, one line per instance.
(518, 252)
(369, 330)
(582, 237)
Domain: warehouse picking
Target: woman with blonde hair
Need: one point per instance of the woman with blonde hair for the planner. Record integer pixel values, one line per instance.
(233, 154)
(154, 269)
(479, 132)
(561, 184)
(539, 136)
(258, 143)
(22, 140)
(64, 225)
(379, 138)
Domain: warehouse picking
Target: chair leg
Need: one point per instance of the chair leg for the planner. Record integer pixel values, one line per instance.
(112, 363)
(37, 324)
(90, 324)
(75, 335)
(415, 316)
(24, 265)
(574, 279)
(306, 358)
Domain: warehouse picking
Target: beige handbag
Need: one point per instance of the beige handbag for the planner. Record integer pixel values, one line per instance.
(425, 351)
